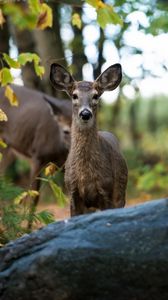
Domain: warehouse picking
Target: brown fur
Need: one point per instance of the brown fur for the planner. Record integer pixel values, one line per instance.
(35, 130)
(95, 171)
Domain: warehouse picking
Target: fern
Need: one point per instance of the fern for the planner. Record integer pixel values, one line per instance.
(14, 216)
(7, 190)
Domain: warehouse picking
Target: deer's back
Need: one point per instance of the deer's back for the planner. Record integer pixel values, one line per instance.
(113, 154)
(31, 128)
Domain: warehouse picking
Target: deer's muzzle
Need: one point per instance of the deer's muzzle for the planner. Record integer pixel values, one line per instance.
(85, 114)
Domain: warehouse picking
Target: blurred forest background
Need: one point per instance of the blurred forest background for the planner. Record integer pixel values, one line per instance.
(136, 36)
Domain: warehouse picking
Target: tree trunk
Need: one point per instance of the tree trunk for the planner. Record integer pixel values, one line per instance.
(25, 42)
(116, 254)
(100, 60)
(134, 131)
(78, 58)
(4, 43)
(50, 48)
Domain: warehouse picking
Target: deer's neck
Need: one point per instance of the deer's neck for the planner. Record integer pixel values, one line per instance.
(84, 140)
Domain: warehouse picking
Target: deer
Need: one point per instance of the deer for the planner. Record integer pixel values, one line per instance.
(38, 130)
(95, 171)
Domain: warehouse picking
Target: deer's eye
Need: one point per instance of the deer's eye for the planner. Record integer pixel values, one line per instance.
(95, 97)
(74, 96)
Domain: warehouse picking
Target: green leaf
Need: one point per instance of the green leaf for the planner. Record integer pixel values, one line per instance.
(34, 6)
(20, 17)
(39, 70)
(44, 217)
(5, 76)
(36, 58)
(93, 3)
(107, 16)
(58, 193)
(11, 62)
(23, 58)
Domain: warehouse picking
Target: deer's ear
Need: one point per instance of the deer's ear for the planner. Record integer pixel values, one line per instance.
(109, 79)
(61, 79)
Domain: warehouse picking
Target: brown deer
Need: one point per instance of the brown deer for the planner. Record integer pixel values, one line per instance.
(38, 129)
(95, 171)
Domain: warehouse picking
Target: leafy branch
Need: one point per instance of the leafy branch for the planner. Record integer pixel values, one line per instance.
(105, 14)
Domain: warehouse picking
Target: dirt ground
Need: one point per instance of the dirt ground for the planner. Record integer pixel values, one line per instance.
(61, 213)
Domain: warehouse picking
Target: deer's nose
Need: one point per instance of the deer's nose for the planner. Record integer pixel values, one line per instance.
(85, 114)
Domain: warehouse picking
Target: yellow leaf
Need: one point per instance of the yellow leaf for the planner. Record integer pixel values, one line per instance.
(1, 155)
(100, 4)
(2, 144)
(3, 116)
(33, 193)
(50, 169)
(2, 19)
(45, 18)
(96, 3)
(10, 94)
(20, 198)
(76, 20)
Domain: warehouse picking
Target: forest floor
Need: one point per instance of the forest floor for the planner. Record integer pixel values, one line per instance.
(61, 213)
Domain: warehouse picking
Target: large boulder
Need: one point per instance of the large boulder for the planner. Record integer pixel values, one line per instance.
(116, 254)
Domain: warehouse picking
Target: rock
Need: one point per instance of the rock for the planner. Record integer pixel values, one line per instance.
(116, 254)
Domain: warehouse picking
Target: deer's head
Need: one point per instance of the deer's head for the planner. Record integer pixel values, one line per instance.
(85, 94)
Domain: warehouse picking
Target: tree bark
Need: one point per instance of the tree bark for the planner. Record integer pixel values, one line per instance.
(78, 58)
(116, 254)
(50, 48)
(25, 42)
(4, 43)
(133, 115)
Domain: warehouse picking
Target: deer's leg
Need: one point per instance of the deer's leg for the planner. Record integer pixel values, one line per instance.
(7, 159)
(76, 205)
(119, 192)
(34, 185)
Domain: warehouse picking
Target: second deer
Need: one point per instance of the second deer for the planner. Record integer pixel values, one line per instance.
(95, 170)
(38, 130)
